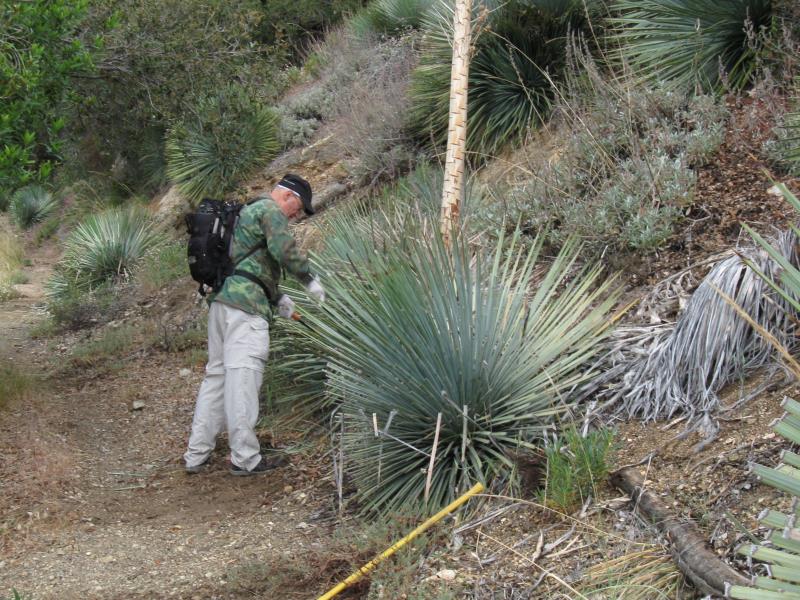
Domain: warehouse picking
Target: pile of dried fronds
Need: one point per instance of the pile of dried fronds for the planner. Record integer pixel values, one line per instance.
(656, 371)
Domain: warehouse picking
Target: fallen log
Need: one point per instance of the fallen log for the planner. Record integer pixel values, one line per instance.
(694, 558)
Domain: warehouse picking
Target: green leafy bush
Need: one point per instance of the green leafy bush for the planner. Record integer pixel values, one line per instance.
(413, 329)
(520, 49)
(289, 26)
(31, 204)
(227, 138)
(157, 56)
(693, 42)
(576, 465)
(105, 248)
(40, 50)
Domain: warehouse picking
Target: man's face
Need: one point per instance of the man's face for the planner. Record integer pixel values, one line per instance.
(289, 202)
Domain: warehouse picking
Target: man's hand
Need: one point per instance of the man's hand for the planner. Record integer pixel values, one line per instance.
(285, 307)
(315, 290)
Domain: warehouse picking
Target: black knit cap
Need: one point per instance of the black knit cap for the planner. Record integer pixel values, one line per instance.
(301, 187)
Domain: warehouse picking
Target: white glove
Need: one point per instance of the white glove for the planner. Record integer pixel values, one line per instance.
(315, 290)
(285, 307)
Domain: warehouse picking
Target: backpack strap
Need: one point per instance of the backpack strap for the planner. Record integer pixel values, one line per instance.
(258, 282)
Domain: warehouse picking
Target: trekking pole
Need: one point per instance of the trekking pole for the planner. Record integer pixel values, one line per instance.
(367, 568)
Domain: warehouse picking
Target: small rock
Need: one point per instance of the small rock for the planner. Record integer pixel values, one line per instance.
(184, 372)
(138, 405)
(446, 575)
(303, 525)
(775, 191)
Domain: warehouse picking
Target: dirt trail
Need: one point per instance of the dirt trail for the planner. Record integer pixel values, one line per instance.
(95, 503)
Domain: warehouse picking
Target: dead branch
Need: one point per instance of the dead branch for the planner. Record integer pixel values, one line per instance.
(689, 550)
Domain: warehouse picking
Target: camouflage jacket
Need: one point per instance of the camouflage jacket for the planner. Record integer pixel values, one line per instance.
(262, 220)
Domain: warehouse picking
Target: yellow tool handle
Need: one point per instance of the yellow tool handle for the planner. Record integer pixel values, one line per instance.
(365, 570)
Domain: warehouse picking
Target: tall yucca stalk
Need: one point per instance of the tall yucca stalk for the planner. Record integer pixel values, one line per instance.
(520, 47)
(415, 330)
(691, 42)
(224, 143)
(30, 205)
(106, 247)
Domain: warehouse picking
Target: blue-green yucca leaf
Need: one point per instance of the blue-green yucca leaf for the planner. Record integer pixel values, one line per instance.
(215, 150)
(106, 247)
(520, 48)
(31, 204)
(691, 42)
(421, 330)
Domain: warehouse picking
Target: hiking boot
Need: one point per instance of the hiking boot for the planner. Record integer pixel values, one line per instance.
(265, 465)
(198, 468)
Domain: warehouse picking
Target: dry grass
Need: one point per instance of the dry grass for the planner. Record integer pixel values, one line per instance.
(11, 259)
(36, 463)
(648, 574)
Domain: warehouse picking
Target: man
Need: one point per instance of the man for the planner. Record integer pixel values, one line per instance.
(238, 327)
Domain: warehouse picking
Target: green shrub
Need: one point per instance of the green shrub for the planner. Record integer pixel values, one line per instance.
(289, 26)
(222, 144)
(415, 329)
(30, 205)
(520, 49)
(71, 306)
(105, 248)
(41, 49)
(624, 169)
(576, 466)
(693, 42)
(158, 55)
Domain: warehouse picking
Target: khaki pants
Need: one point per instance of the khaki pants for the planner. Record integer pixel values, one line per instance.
(238, 345)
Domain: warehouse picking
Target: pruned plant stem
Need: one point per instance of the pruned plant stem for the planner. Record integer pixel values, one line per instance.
(433, 456)
(689, 550)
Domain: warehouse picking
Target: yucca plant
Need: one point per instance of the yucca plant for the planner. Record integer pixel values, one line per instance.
(390, 16)
(225, 141)
(692, 42)
(520, 49)
(106, 247)
(30, 205)
(413, 330)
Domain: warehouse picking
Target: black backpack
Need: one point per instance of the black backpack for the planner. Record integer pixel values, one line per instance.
(210, 247)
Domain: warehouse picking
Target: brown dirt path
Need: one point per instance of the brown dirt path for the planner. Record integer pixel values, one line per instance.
(94, 501)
